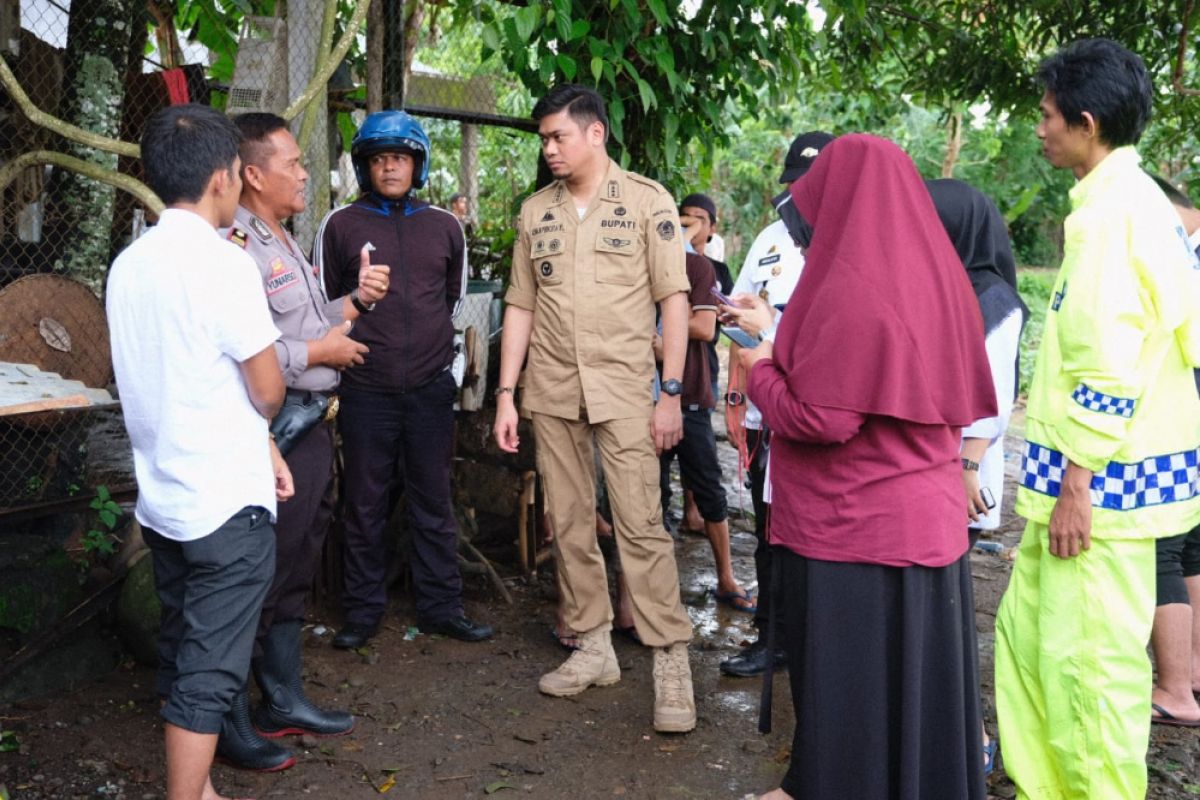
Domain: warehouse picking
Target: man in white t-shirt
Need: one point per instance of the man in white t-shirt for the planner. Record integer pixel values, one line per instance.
(193, 351)
(770, 271)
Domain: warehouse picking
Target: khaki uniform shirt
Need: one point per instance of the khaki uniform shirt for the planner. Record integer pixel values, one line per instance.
(298, 304)
(592, 285)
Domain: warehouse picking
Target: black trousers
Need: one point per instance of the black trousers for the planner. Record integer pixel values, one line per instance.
(699, 468)
(409, 435)
(757, 443)
(300, 527)
(211, 590)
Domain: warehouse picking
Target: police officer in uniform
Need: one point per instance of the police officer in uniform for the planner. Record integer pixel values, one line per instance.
(312, 349)
(596, 249)
(771, 271)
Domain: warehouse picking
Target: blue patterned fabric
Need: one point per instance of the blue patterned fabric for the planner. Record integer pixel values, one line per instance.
(1090, 399)
(1120, 487)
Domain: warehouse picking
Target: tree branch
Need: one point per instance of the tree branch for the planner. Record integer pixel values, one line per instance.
(9, 172)
(322, 75)
(61, 127)
(1181, 52)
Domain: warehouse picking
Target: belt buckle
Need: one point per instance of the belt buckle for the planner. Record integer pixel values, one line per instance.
(331, 410)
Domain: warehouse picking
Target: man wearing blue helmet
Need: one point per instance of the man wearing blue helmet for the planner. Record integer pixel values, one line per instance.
(397, 408)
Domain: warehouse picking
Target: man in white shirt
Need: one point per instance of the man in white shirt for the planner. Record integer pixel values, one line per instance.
(193, 351)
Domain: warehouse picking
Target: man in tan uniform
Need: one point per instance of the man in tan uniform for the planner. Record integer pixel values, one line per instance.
(595, 251)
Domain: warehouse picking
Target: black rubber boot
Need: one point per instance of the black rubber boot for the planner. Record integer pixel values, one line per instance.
(285, 708)
(239, 745)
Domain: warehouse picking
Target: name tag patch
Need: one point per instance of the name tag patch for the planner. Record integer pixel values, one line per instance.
(762, 262)
(281, 277)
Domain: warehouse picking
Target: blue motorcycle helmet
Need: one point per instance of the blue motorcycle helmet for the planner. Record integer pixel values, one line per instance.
(390, 131)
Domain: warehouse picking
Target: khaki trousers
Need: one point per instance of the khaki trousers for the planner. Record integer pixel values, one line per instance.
(567, 463)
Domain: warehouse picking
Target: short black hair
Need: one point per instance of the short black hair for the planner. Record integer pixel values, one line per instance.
(255, 127)
(183, 147)
(1173, 192)
(457, 197)
(584, 105)
(1104, 79)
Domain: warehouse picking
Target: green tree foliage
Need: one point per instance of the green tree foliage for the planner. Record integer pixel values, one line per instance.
(670, 76)
(959, 52)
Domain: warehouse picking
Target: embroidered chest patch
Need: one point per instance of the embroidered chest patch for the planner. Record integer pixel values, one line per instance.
(281, 277)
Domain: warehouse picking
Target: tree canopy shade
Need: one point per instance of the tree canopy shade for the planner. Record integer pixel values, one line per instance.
(670, 75)
(674, 70)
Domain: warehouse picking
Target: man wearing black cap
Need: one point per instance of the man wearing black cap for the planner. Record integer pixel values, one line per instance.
(702, 212)
(771, 270)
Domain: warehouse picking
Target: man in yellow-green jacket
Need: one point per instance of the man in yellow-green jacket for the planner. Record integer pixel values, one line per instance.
(1112, 457)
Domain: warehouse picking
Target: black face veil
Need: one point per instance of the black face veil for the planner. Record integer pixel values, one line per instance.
(797, 225)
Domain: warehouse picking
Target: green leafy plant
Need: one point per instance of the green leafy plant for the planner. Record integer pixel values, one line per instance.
(103, 538)
(9, 743)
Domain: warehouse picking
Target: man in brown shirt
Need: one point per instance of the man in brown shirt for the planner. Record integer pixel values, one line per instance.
(595, 251)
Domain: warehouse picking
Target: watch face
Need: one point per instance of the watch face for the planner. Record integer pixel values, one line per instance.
(672, 387)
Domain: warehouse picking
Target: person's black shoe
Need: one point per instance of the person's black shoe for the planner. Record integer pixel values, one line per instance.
(459, 628)
(353, 636)
(753, 661)
(286, 709)
(239, 745)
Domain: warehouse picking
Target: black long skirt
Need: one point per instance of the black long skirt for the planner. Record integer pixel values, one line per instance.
(885, 680)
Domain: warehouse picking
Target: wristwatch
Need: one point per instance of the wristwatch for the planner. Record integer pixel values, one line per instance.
(503, 390)
(363, 308)
(672, 387)
(971, 465)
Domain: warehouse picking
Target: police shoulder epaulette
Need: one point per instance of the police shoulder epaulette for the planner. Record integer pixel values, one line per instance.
(238, 237)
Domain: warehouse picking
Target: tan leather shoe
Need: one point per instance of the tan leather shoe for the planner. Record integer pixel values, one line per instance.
(674, 701)
(593, 664)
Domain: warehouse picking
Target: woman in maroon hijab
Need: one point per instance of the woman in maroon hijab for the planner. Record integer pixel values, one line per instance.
(877, 366)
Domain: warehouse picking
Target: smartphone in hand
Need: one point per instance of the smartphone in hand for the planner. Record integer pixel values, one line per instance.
(740, 337)
(724, 300)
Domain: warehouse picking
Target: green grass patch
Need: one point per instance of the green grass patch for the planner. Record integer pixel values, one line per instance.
(1035, 285)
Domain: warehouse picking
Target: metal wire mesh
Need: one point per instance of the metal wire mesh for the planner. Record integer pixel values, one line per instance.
(55, 221)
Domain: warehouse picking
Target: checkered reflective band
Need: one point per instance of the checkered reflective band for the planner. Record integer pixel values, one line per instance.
(1120, 487)
(1092, 400)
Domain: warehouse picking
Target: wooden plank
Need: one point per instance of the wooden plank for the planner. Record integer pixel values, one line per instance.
(46, 404)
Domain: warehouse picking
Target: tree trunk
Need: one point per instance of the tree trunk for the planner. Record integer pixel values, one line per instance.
(80, 211)
(953, 143)
(375, 44)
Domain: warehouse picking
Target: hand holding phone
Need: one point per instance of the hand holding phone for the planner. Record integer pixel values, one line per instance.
(723, 299)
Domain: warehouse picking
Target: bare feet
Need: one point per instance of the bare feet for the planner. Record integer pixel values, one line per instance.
(1181, 708)
(777, 794)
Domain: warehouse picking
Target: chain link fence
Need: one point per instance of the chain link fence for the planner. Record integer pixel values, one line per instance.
(60, 227)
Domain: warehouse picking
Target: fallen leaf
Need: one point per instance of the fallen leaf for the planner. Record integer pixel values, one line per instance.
(387, 785)
(496, 786)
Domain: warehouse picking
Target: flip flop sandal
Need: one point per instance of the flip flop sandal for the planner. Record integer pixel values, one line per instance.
(568, 642)
(1163, 717)
(989, 757)
(730, 599)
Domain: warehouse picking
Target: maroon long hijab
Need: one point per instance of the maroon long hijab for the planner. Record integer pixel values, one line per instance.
(883, 320)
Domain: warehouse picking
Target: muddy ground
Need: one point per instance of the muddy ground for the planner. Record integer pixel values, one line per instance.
(439, 718)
